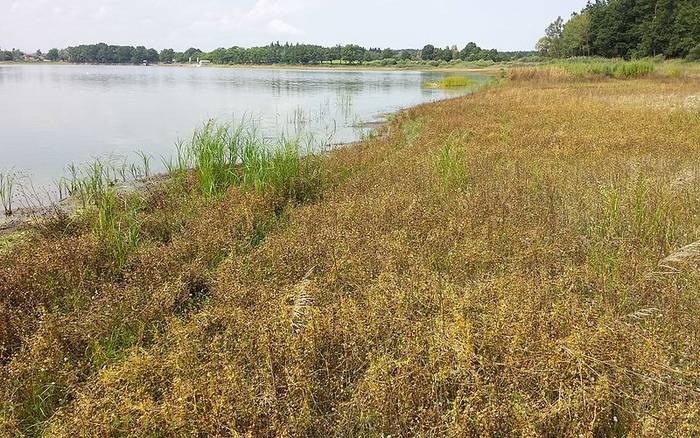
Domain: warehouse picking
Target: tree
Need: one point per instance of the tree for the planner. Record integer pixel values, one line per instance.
(152, 55)
(274, 53)
(139, 54)
(685, 33)
(166, 56)
(628, 29)
(544, 46)
(428, 53)
(446, 54)
(469, 51)
(550, 44)
(335, 53)
(455, 52)
(53, 55)
(192, 54)
(575, 36)
(387, 53)
(17, 55)
(352, 53)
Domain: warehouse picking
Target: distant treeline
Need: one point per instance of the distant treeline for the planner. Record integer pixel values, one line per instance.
(277, 53)
(627, 29)
(274, 53)
(11, 55)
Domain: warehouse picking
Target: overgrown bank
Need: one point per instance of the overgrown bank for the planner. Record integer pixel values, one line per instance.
(491, 266)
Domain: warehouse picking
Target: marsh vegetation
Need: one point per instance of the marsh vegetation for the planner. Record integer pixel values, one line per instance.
(519, 261)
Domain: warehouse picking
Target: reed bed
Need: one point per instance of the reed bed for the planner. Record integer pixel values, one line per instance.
(7, 188)
(585, 69)
(488, 267)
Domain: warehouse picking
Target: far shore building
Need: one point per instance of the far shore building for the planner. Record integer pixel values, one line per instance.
(32, 57)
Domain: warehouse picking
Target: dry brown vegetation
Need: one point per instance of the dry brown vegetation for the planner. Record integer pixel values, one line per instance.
(488, 267)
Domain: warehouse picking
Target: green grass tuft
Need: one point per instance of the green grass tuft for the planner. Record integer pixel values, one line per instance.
(452, 82)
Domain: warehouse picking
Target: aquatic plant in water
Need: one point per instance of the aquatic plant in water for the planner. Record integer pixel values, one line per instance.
(7, 185)
(451, 82)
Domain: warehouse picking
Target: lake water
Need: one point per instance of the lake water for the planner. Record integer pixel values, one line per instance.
(53, 115)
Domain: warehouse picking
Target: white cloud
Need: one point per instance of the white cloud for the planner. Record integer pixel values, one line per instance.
(263, 18)
(263, 9)
(279, 27)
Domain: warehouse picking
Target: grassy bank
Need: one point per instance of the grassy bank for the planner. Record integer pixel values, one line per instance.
(597, 68)
(490, 266)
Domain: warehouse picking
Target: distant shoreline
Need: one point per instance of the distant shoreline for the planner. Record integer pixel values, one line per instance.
(307, 67)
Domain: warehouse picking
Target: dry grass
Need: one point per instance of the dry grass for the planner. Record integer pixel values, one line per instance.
(490, 267)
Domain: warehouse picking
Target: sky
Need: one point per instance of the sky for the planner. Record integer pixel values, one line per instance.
(207, 24)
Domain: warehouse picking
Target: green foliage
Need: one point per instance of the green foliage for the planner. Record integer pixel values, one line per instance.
(352, 54)
(428, 53)
(585, 68)
(113, 347)
(450, 165)
(11, 55)
(469, 50)
(575, 37)
(109, 54)
(633, 69)
(694, 53)
(551, 43)
(275, 53)
(43, 398)
(628, 29)
(617, 69)
(53, 55)
(116, 223)
(166, 56)
(224, 155)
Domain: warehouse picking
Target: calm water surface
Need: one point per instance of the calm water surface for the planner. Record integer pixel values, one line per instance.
(53, 115)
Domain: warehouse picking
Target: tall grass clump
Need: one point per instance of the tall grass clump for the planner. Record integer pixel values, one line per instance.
(7, 186)
(449, 164)
(548, 73)
(224, 155)
(584, 69)
(113, 216)
(214, 154)
(116, 224)
(87, 183)
(633, 69)
(145, 170)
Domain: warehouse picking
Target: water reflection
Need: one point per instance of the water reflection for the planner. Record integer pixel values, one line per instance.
(54, 115)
